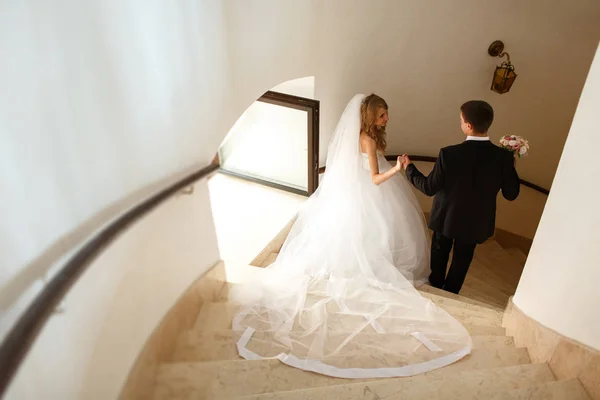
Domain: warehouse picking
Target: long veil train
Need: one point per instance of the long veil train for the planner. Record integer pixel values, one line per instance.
(339, 300)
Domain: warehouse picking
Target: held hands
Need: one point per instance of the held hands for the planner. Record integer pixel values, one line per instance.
(403, 162)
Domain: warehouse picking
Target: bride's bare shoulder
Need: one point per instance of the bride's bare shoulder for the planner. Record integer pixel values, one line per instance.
(367, 141)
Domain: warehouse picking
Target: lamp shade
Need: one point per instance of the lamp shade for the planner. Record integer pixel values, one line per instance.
(504, 76)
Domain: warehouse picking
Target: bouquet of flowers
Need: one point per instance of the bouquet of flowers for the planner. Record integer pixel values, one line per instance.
(515, 144)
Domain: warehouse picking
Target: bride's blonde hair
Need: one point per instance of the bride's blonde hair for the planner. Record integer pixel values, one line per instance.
(368, 113)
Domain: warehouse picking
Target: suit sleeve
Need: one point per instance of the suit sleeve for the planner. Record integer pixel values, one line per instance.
(430, 184)
(511, 185)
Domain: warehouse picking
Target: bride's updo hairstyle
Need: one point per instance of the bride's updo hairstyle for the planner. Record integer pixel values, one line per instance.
(368, 114)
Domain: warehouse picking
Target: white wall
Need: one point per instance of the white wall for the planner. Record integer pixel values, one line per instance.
(302, 87)
(103, 103)
(559, 286)
(99, 100)
(270, 42)
(427, 57)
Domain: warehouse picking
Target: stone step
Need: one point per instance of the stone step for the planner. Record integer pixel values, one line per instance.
(570, 389)
(270, 259)
(490, 274)
(220, 379)
(498, 260)
(484, 293)
(265, 257)
(468, 313)
(517, 255)
(438, 297)
(218, 316)
(447, 302)
(239, 272)
(480, 292)
(487, 330)
(492, 278)
(463, 387)
(433, 290)
(219, 346)
(481, 384)
(495, 276)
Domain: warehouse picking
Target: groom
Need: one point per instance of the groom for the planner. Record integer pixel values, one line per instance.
(465, 181)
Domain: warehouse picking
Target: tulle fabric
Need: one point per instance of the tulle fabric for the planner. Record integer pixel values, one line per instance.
(340, 298)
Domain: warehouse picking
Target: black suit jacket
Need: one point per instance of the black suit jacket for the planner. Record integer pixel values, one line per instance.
(465, 181)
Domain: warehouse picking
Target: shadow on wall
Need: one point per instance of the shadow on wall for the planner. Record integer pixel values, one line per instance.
(22, 287)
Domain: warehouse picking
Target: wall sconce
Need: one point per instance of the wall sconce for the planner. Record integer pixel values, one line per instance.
(504, 75)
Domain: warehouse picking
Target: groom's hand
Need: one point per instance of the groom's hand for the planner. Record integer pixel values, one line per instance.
(406, 162)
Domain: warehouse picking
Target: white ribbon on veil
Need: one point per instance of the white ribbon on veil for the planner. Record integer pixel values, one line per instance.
(340, 300)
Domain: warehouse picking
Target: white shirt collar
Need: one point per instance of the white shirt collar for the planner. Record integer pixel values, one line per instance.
(478, 138)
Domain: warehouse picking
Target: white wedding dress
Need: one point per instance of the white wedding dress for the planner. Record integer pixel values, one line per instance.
(340, 298)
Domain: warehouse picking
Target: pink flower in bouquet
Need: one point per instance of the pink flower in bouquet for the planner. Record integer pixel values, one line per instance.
(515, 144)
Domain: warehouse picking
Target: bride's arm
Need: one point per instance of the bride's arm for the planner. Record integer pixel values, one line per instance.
(377, 178)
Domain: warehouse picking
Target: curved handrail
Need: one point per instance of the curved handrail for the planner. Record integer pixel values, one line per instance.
(18, 341)
(434, 159)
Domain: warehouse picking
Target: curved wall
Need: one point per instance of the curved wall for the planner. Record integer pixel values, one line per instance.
(105, 100)
(559, 285)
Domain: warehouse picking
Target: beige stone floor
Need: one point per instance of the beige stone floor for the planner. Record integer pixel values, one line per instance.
(205, 364)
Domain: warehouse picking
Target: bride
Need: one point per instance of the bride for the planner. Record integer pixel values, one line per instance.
(340, 298)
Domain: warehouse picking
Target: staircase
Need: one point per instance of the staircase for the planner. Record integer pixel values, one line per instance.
(205, 363)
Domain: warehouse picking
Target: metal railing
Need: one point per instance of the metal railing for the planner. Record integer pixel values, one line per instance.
(20, 338)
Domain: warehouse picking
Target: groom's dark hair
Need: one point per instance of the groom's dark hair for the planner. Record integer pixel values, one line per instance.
(479, 114)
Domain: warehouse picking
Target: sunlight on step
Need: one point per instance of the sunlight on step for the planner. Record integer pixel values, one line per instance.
(248, 215)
